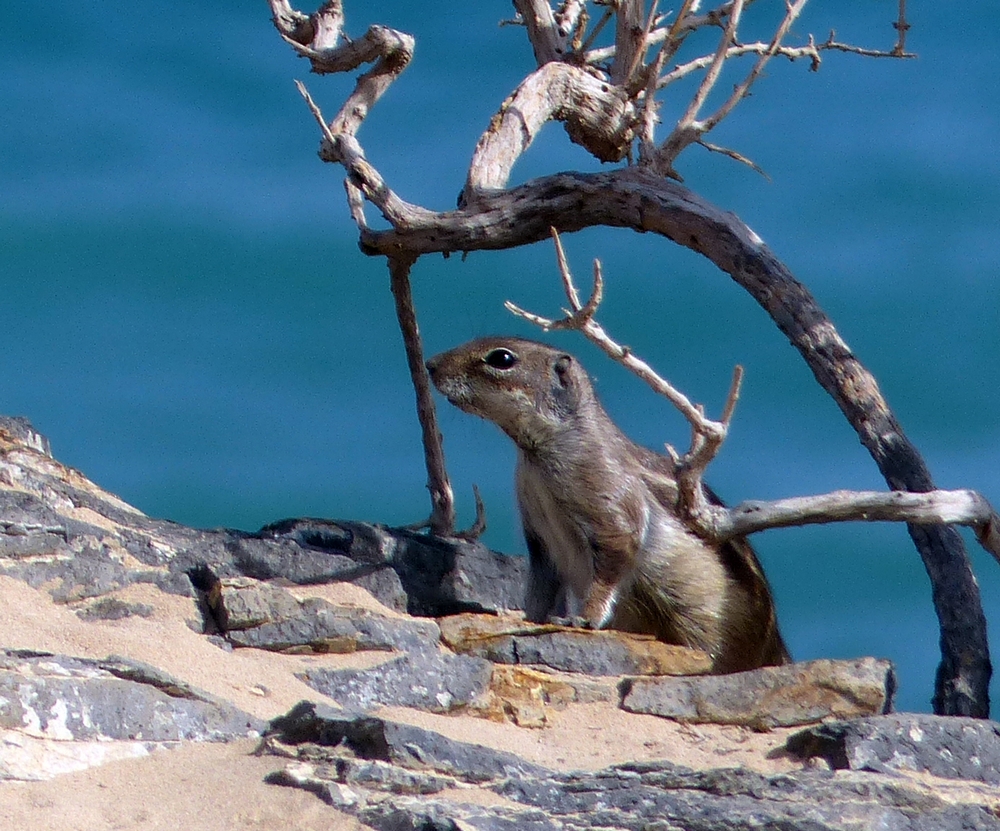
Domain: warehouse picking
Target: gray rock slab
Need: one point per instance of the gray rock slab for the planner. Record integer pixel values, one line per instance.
(42, 543)
(143, 673)
(324, 627)
(373, 738)
(268, 555)
(436, 576)
(508, 639)
(946, 746)
(243, 603)
(426, 815)
(447, 577)
(581, 652)
(357, 774)
(651, 796)
(63, 698)
(422, 576)
(768, 697)
(252, 613)
(111, 608)
(663, 796)
(437, 682)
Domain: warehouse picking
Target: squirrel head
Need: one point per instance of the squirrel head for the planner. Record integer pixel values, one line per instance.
(531, 391)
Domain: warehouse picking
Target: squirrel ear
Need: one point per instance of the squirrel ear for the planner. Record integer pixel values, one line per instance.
(565, 391)
(562, 366)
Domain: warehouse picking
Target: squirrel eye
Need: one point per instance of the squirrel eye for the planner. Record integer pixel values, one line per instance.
(501, 359)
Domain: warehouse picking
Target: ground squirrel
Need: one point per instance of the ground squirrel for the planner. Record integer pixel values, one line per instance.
(604, 540)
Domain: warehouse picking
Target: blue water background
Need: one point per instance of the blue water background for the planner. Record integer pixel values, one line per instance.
(186, 314)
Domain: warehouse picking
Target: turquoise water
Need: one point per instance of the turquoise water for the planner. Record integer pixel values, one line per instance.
(188, 318)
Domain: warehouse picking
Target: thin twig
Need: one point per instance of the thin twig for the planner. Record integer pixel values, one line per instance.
(341, 146)
(714, 69)
(674, 35)
(317, 114)
(902, 27)
(594, 32)
(733, 397)
(442, 519)
(682, 15)
(650, 108)
(581, 318)
(478, 527)
(732, 154)
(792, 11)
(811, 51)
(688, 128)
(832, 43)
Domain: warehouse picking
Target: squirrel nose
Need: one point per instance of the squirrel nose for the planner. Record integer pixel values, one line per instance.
(432, 365)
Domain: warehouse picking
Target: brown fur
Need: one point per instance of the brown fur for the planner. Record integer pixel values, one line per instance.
(599, 516)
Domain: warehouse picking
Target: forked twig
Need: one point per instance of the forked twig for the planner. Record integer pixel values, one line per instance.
(707, 434)
(714, 68)
(478, 527)
(580, 317)
(792, 11)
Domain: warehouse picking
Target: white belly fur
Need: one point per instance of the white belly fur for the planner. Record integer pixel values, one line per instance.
(664, 558)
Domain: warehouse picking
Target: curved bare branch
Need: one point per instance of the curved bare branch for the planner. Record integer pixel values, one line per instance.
(317, 37)
(598, 116)
(635, 198)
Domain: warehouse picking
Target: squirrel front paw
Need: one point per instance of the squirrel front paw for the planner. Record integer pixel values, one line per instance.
(574, 622)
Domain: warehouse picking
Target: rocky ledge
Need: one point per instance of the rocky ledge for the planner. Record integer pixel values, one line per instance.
(388, 674)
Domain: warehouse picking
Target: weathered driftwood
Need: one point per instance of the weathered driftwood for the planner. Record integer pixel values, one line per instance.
(604, 96)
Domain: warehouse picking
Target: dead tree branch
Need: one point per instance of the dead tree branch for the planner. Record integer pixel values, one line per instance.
(673, 35)
(317, 37)
(689, 127)
(442, 519)
(961, 507)
(635, 199)
(607, 117)
(810, 50)
(597, 116)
